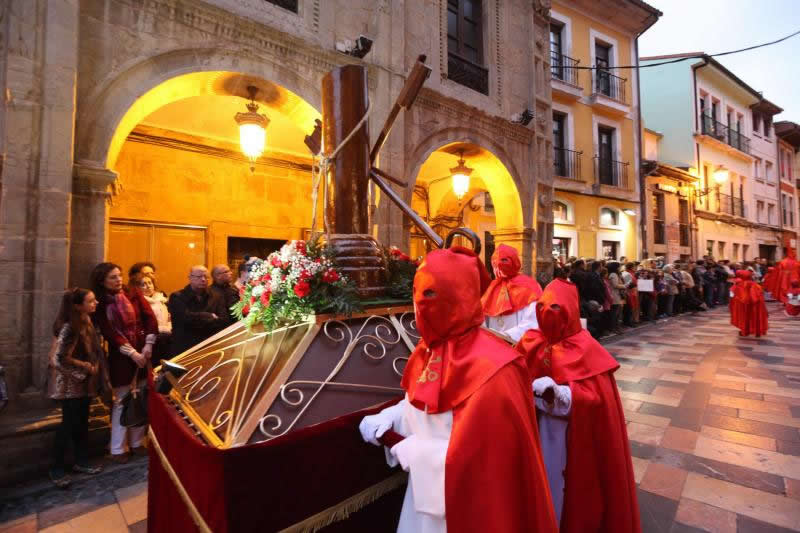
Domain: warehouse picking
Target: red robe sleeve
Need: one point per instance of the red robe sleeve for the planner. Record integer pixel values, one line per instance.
(494, 476)
(600, 490)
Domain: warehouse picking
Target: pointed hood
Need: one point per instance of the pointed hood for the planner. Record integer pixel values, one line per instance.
(511, 291)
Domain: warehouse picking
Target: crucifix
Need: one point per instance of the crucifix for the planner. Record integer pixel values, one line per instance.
(345, 102)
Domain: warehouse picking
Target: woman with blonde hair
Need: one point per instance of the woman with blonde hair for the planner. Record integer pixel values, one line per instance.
(158, 304)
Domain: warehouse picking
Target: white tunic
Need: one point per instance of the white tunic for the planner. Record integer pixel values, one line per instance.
(424, 503)
(514, 324)
(553, 436)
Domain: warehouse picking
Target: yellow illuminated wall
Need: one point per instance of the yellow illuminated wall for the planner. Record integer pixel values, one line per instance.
(583, 225)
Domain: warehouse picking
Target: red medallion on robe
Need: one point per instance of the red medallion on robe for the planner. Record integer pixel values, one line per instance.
(494, 475)
(510, 291)
(600, 490)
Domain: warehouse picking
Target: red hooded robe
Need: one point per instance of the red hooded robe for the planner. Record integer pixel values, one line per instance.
(511, 291)
(599, 489)
(748, 310)
(791, 309)
(788, 271)
(770, 281)
(494, 476)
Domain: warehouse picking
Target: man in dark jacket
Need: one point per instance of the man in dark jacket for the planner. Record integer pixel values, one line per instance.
(192, 320)
(223, 295)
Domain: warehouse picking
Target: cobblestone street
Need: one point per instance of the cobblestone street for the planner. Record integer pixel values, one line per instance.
(713, 420)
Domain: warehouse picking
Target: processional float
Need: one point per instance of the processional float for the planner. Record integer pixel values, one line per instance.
(257, 430)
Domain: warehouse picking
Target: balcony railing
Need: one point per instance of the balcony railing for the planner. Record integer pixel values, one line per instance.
(567, 163)
(659, 233)
(713, 128)
(730, 205)
(684, 234)
(610, 85)
(610, 172)
(467, 73)
(563, 68)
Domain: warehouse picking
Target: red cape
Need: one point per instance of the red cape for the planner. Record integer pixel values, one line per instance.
(788, 271)
(770, 280)
(600, 490)
(748, 310)
(494, 476)
(511, 291)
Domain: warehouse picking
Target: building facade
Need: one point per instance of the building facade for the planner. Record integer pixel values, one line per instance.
(789, 171)
(705, 115)
(596, 127)
(766, 183)
(668, 200)
(119, 141)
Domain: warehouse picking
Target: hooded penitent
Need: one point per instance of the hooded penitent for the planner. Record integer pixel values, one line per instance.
(748, 310)
(510, 291)
(770, 281)
(788, 271)
(494, 476)
(599, 487)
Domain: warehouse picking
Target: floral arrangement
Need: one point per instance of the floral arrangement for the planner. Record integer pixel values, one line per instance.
(401, 270)
(298, 280)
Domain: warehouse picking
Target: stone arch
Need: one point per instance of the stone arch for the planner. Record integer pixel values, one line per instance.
(513, 216)
(114, 108)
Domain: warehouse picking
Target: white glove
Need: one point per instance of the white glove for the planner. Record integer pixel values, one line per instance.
(404, 451)
(374, 426)
(542, 384)
(562, 396)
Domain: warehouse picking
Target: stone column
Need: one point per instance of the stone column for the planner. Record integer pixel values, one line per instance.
(523, 239)
(90, 202)
(40, 59)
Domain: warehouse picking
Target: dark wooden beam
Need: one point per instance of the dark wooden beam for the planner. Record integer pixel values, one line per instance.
(415, 218)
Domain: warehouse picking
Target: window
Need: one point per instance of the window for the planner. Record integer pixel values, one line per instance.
(735, 251)
(488, 204)
(602, 54)
(683, 213)
(610, 249)
(785, 209)
(658, 218)
(714, 108)
(709, 247)
(703, 104)
(782, 164)
(561, 247)
(756, 122)
(559, 155)
(721, 248)
(767, 126)
(556, 51)
(607, 170)
(768, 171)
(609, 217)
(759, 211)
(291, 5)
(771, 214)
(791, 211)
(560, 211)
(745, 251)
(465, 45)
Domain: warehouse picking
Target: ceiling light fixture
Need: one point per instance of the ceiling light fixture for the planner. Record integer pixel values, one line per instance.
(460, 174)
(252, 128)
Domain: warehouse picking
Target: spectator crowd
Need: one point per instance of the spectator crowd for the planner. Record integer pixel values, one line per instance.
(615, 295)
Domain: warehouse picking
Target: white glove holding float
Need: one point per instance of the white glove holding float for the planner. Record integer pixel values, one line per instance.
(374, 426)
(562, 396)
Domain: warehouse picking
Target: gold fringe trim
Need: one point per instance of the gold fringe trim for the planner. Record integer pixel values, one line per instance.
(313, 523)
(193, 512)
(352, 504)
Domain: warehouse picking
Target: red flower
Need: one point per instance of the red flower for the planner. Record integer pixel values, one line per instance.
(275, 261)
(265, 278)
(265, 298)
(302, 289)
(330, 276)
(300, 246)
(305, 275)
(252, 300)
(245, 310)
(241, 292)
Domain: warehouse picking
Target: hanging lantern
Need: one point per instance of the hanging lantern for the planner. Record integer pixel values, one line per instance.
(720, 175)
(460, 174)
(252, 128)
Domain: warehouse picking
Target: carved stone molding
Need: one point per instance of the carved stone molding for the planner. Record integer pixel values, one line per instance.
(92, 179)
(223, 25)
(473, 117)
(542, 8)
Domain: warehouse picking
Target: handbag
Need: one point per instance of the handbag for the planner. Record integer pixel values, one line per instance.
(134, 404)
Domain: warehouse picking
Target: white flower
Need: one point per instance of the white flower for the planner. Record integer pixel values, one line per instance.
(258, 290)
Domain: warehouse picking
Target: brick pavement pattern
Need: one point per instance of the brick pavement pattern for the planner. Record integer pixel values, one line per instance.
(713, 420)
